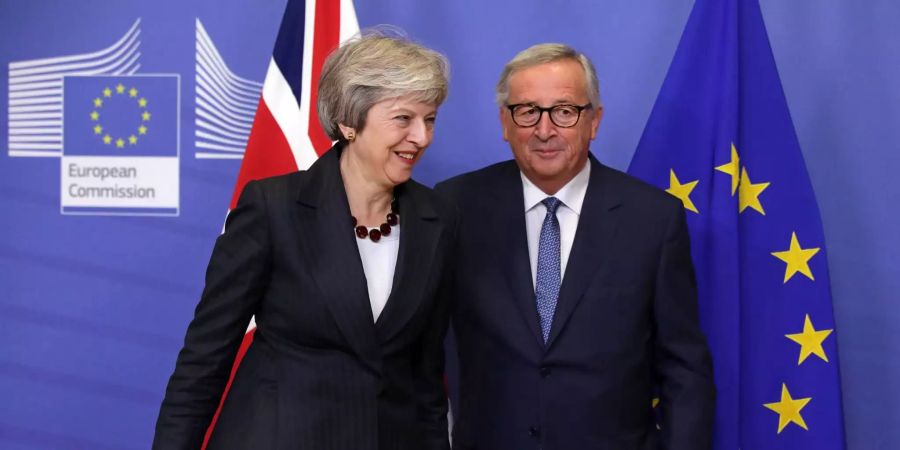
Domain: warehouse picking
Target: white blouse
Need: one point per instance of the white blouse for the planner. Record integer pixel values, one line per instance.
(379, 259)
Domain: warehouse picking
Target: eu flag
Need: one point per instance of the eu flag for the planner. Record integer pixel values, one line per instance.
(123, 115)
(720, 138)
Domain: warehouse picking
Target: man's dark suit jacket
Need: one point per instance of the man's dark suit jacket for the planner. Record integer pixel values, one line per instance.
(626, 319)
(320, 374)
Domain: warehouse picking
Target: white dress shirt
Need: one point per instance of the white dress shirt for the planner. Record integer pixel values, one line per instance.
(379, 260)
(572, 196)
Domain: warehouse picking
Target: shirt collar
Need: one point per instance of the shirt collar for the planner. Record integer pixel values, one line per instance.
(571, 195)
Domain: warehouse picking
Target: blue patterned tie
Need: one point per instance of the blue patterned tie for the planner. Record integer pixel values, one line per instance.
(548, 277)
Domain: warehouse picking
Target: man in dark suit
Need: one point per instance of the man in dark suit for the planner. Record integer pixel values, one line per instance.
(574, 288)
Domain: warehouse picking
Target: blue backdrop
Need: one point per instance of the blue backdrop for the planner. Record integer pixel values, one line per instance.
(93, 307)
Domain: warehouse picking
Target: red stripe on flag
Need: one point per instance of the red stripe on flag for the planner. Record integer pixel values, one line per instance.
(325, 39)
(248, 339)
(268, 152)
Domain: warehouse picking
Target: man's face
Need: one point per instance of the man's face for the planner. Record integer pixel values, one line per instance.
(549, 155)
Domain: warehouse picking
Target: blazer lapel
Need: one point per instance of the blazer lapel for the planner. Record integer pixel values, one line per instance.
(327, 234)
(591, 249)
(512, 254)
(419, 234)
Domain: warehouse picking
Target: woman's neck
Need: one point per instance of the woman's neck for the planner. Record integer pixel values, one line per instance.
(370, 202)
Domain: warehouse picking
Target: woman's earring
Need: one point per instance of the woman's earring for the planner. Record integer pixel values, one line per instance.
(351, 136)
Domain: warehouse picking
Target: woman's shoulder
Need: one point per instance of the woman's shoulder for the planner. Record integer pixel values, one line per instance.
(272, 190)
(279, 183)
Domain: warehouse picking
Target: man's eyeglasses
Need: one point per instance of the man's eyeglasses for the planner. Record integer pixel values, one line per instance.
(563, 116)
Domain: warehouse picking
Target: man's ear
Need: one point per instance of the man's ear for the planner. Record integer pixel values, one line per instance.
(595, 122)
(504, 124)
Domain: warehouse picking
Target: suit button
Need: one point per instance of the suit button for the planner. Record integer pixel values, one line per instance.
(545, 371)
(534, 432)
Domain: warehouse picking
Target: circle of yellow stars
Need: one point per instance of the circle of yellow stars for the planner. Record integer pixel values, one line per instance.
(796, 259)
(107, 94)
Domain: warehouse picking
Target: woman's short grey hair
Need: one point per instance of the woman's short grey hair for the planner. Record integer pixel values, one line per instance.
(376, 65)
(543, 54)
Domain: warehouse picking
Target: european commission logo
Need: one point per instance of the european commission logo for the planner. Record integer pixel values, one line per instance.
(120, 145)
(115, 131)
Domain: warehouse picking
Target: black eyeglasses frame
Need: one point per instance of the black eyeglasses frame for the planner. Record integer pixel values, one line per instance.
(548, 110)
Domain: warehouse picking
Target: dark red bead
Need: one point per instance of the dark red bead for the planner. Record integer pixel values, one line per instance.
(374, 235)
(354, 221)
(392, 219)
(362, 232)
(385, 229)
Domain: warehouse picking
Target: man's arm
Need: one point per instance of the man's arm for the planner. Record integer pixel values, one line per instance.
(682, 361)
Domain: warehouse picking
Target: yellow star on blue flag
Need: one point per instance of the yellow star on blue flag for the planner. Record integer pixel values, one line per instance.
(758, 246)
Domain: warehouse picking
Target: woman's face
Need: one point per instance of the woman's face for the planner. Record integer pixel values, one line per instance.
(395, 135)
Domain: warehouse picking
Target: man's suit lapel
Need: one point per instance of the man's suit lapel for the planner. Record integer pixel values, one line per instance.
(419, 234)
(327, 237)
(594, 240)
(512, 253)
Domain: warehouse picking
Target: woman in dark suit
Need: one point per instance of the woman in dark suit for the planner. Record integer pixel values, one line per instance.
(341, 266)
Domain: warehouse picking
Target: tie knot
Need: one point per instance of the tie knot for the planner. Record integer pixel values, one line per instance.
(552, 203)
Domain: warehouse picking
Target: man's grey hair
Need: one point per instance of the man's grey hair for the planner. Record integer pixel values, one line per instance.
(543, 54)
(377, 64)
